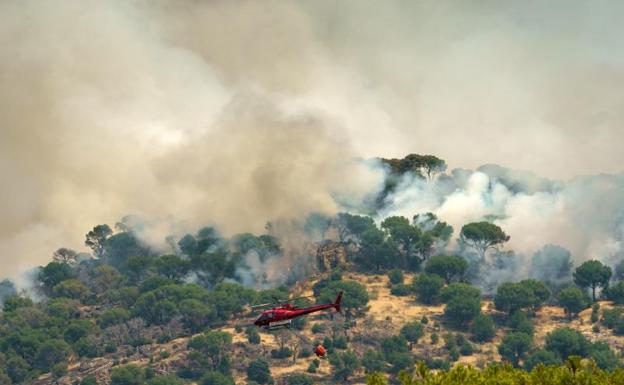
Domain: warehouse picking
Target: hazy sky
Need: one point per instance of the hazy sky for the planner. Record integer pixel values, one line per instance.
(235, 112)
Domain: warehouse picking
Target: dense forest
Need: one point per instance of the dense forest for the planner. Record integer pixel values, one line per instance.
(124, 296)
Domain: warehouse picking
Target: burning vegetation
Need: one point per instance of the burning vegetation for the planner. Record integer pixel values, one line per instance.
(417, 292)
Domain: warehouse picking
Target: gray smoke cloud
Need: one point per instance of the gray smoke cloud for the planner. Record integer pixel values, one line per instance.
(234, 113)
(584, 215)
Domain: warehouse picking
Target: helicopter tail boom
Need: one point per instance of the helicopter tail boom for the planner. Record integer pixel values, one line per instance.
(338, 301)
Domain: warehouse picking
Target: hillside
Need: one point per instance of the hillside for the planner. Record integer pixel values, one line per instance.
(385, 316)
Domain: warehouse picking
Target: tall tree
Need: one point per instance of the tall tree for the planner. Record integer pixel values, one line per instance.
(65, 255)
(96, 239)
(513, 296)
(592, 274)
(449, 267)
(515, 347)
(572, 300)
(482, 236)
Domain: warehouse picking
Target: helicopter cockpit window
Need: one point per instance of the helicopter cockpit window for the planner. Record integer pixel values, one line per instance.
(270, 315)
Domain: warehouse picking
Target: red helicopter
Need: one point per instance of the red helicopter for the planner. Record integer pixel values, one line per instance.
(281, 316)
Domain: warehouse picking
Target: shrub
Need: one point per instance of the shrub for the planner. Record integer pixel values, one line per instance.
(520, 322)
(401, 290)
(466, 348)
(281, 353)
(515, 346)
(427, 288)
(299, 379)
(567, 342)
(395, 276)
(610, 317)
(258, 371)
(459, 310)
(482, 328)
(572, 300)
(454, 354)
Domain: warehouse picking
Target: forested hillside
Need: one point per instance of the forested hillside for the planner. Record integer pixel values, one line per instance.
(421, 300)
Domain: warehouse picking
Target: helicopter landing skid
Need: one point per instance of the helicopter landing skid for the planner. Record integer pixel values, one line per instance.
(279, 325)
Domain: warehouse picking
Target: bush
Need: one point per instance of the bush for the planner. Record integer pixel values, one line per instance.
(454, 354)
(466, 349)
(401, 290)
(482, 328)
(618, 329)
(515, 346)
(318, 328)
(459, 290)
(459, 311)
(450, 341)
(434, 339)
(216, 378)
(449, 267)
(252, 335)
(339, 342)
(299, 379)
(427, 288)
(615, 293)
(88, 380)
(595, 314)
(258, 371)
(395, 276)
(281, 353)
(572, 300)
(127, 375)
(166, 380)
(372, 361)
(412, 332)
(511, 297)
(520, 322)
(567, 342)
(604, 357)
(424, 320)
(610, 317)
(438, 364)
(541, 356)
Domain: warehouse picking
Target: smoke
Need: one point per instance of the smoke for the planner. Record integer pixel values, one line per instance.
(234, 113)
(584, 215)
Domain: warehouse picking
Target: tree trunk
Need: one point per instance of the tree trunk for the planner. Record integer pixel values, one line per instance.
(594, 293)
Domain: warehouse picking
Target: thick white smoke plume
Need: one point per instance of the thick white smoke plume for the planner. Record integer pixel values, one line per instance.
(584, 215)
(232, 113)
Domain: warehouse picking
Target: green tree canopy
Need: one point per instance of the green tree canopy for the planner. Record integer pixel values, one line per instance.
(354, 298)
(427, 288)
(258, 371)
(572, 300)
(412, 331)
(96, 238)
(449, 267)
(216, 378)
(459, 290)
(482, 236)
(482, 328)
(344, 364)
(566, 342)
(461, 310)
(515, 347)
(127, 375)
(511, 297)
(592, 274)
